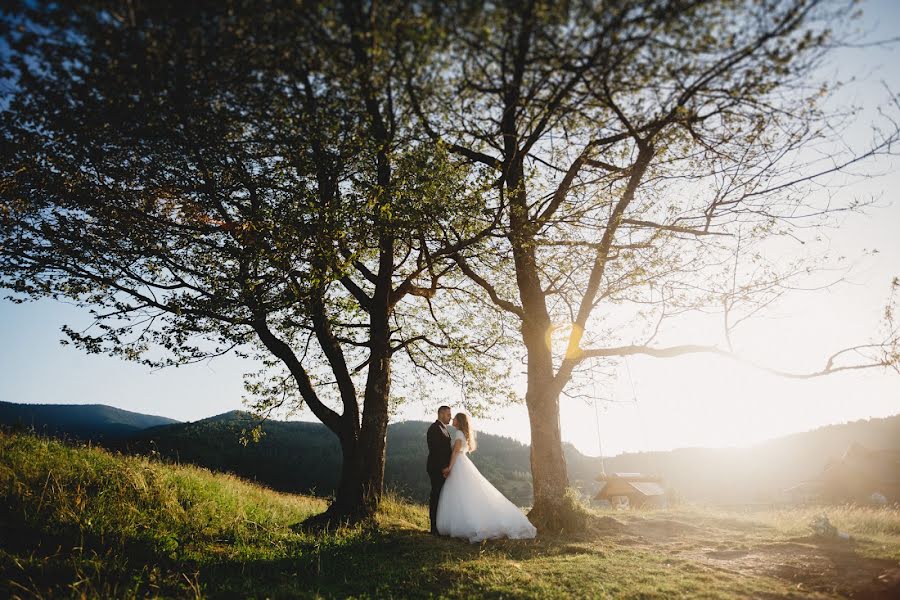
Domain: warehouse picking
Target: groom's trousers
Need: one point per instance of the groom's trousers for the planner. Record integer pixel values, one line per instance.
(437, 482)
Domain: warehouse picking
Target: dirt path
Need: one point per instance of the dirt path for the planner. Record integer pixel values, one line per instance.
(812, 564)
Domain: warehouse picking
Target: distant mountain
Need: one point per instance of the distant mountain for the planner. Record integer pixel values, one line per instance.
(298, 456)
(81, 421)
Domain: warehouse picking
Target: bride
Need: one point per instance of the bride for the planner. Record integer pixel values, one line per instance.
(469, 506)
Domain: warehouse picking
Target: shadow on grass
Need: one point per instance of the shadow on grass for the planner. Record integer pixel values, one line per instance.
(393, 561)
(837, 566)
(408, 563)
(366, 562)
(67, 562)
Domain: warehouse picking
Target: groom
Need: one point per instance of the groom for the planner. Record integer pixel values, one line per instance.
(438, 460)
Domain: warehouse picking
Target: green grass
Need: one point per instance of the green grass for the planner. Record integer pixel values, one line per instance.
(81, 522)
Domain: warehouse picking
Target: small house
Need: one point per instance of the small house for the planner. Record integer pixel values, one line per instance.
(631, 489)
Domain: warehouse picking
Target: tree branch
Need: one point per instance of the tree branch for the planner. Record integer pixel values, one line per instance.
(280, 349)
(686, 349)
(675, 228)
(495, 297)
(364, 301)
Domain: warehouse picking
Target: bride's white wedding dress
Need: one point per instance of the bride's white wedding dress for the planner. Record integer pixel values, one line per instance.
(470, 507)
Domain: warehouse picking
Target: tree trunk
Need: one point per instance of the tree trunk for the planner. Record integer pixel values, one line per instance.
(348, 501)
(373, 435)
(362, 469)
(362, 473)
(363, 447)
(552, 510)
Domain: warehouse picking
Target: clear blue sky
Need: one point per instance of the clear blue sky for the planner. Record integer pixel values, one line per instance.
(679, 402)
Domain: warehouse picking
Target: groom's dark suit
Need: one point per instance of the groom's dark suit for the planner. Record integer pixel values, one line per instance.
(438, 459)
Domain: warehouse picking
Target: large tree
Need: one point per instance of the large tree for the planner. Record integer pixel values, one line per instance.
(213, 177)
(643, 153)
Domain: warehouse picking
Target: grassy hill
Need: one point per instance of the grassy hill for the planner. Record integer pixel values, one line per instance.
(83, 421)
(84, 522)
(292, 456)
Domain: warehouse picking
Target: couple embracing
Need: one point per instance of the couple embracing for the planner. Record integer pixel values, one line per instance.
(463, 503)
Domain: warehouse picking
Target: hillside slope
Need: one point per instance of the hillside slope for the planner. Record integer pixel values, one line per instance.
(81, 421)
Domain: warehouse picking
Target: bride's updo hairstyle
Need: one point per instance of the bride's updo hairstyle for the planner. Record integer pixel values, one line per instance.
(462, 422)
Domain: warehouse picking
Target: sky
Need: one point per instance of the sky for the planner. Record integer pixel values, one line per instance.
(651, 404)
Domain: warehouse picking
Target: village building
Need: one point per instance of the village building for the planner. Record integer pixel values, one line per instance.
(631, 489)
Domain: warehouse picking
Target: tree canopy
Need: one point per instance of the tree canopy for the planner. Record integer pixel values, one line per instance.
(644, 155)
(214, 178)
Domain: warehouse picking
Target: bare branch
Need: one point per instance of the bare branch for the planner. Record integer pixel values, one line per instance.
(687, 349)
